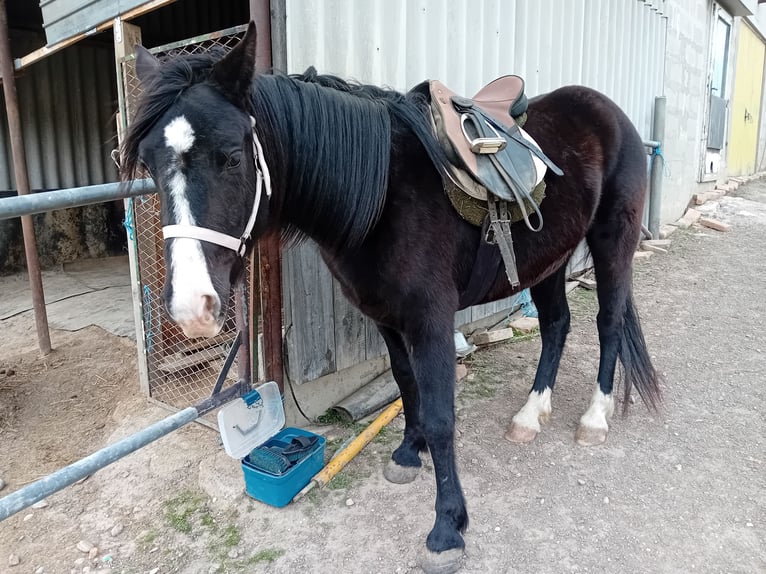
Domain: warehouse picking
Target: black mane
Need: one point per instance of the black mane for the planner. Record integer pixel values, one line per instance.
(338, 136)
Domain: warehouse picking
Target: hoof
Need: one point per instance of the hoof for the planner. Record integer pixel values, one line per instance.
(520, 434)
(445, 562)
(589, 436)
(399, 474)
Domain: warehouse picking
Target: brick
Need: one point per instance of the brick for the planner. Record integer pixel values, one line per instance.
(700, 198)
(714, 224)
(494, 336)
(690, 217)
(525, 324)
(724, 187)
(667, 230)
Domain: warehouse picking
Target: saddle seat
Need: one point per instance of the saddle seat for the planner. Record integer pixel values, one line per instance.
(504, 99)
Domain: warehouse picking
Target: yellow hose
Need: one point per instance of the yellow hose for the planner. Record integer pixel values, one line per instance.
(347, 454)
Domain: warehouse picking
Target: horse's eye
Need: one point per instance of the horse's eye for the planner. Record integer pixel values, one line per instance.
(234, 160)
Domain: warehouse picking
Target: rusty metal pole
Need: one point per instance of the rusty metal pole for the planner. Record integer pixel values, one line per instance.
(22, 181)
(270, 251)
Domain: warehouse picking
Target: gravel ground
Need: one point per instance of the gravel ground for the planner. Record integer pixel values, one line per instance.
(682, 490)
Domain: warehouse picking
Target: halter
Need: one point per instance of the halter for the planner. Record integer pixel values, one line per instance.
(238, 244)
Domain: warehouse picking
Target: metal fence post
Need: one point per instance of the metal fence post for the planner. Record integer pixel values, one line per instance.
(22, 182)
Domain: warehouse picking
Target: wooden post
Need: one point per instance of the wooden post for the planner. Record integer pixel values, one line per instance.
(269, 247)
(22, 182)
(126, 36)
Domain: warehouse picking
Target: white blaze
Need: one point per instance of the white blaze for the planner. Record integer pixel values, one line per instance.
(189, 275)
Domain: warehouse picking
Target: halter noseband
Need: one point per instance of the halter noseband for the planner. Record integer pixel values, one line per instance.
(229, 241)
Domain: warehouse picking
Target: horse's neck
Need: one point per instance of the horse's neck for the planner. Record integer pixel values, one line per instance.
(332, 178)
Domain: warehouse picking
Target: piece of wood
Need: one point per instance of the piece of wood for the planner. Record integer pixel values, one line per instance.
(460, 371)
(587, 283)
(179, 361)
(653, 248)
(46, 51)
(657, 242)
(714, 224)
(493, 336)
(571, 286)
(525, 324)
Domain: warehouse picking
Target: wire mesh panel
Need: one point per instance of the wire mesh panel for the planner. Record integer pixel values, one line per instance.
(181, 371)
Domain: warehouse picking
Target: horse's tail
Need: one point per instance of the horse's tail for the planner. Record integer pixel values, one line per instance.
(636, 363)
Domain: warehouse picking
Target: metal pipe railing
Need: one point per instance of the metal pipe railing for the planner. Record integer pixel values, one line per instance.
(28, 495)
(20, 205)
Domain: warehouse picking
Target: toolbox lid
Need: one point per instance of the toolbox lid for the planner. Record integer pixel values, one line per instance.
(251, 420)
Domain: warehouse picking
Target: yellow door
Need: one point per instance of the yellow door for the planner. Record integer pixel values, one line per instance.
(746, 103)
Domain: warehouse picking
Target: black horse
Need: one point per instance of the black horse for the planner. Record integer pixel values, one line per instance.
(357, 169)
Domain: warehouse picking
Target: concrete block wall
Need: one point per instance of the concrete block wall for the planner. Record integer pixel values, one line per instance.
(686, 67)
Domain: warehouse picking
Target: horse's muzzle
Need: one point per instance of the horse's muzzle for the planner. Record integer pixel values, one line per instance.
(200, 316)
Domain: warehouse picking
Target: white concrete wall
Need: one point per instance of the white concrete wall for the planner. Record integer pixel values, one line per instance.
(686, 69)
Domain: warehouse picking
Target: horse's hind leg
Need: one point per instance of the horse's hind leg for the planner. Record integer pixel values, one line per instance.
(612, 240)
(405, 460)
(553, 311)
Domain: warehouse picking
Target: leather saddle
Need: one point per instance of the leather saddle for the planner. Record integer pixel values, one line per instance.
(491, 156)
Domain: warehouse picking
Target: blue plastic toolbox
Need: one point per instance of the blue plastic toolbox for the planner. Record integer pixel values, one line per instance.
(256, 420)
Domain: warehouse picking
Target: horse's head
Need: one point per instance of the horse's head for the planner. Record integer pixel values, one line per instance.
(192, 130)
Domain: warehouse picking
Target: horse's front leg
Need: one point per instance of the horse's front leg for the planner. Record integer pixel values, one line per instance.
(405, 460)
(432, 357)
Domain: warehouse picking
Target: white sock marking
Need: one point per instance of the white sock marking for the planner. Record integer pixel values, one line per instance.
(538, 406)
(600, 410)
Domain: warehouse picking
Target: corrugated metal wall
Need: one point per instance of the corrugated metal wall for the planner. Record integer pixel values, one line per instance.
(615, 46)
(67, 104)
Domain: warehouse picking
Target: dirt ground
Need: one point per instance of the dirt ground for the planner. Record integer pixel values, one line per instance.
(679, 491)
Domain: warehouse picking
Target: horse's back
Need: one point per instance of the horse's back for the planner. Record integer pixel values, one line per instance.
(581, 121)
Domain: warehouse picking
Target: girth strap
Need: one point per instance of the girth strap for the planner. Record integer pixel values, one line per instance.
(500, 233)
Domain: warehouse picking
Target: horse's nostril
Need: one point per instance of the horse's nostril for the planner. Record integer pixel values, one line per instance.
(210, 305)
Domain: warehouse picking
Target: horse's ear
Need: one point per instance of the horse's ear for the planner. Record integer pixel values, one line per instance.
(146, 64)
(234, 73)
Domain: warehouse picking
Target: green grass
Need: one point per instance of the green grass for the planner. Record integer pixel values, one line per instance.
(180, 509)
(265, 555)
(230, 536)
(340, 481)
(148, 537)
